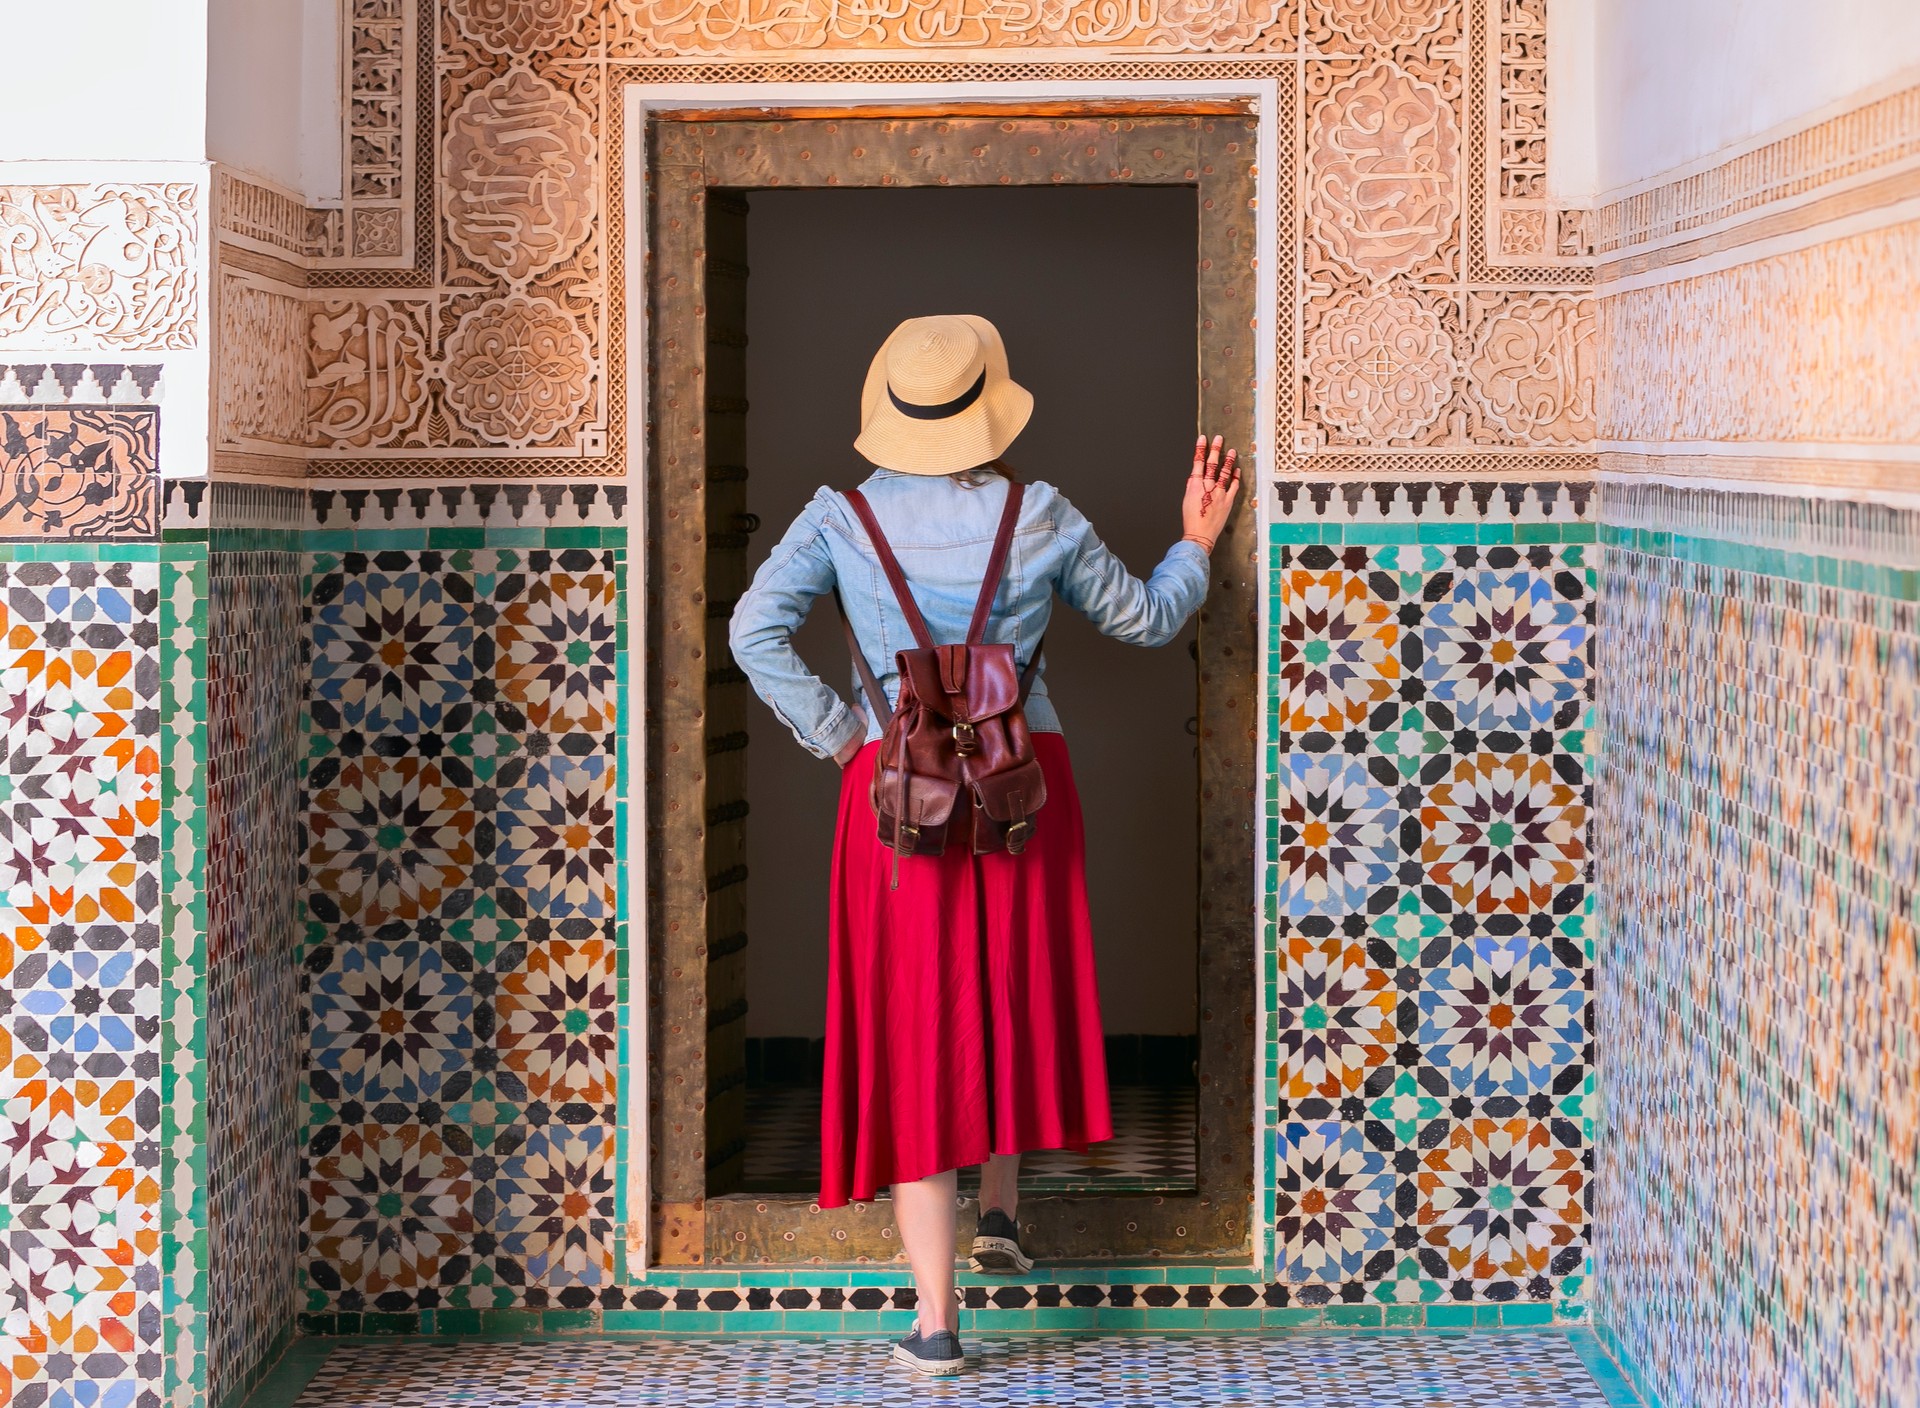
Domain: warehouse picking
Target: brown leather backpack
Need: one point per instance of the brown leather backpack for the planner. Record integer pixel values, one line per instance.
(955, 755)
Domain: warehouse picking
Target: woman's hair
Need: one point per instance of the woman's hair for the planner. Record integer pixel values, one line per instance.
(984, 474)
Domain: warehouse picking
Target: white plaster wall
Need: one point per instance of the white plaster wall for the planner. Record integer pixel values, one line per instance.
(1573, 176)
(1680, 79)
(103, 80)
(272, 104)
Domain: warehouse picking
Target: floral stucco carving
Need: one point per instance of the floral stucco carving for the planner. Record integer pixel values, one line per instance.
(108, 265)
(518, 27)
(1370, 23)
(517, 370)
(1380, 367)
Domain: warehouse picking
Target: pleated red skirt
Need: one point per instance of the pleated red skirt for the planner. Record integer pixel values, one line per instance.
(963, 1018)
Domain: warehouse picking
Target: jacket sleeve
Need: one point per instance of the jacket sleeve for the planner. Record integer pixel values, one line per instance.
(799, 569)
(1097, 584)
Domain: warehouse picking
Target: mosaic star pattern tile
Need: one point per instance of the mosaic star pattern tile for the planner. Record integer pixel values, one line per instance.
(1431, 1025)
(461, 945)
(80, 980)
(1760, 995)
(1391, 1371)
(254, 668)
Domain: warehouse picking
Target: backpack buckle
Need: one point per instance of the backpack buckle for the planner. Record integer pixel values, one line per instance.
(966, 741)
(1018, 834)
(906, 835)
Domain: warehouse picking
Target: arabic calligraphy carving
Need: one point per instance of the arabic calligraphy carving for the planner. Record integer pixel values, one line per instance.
(262, 330)
(1379, 367)
(518, 27)
(366, 366)
(1533, 366)
(79, 472)
(1383, 162)
(519, 175)
(752, 28)
(108, 265)
(1737, 354)
(517, 370)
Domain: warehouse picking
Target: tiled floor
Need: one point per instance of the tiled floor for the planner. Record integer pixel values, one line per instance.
(1152, 1148)
(1412, 1370)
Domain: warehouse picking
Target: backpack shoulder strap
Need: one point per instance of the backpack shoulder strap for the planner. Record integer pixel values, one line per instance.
(996, 562)
(890, 565)
(876, 697)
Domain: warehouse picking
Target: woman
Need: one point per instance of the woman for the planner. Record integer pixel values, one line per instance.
(963, 1021)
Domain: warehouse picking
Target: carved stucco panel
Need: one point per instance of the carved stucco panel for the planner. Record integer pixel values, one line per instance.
(366, 370)
(1380, 367)
(1814, 344)
(517, 370)
(520, 27)
(1383, 172)
(1379, 161)
(1533, 369)
(107, 265)
(262, 335)
(1374, 23)
(519, 179)
(747, 29)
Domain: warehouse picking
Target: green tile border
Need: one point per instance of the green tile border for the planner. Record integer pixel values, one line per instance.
(1609, 1344)
(287, 1379)
(182, 652)
(1812, 569)
(1624, 1386)
(1299, 533)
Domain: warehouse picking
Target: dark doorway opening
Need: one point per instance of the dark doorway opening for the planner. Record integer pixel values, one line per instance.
(705, 733)
(1093, 289)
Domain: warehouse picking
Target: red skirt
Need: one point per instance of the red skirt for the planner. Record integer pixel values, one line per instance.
(963, 1017)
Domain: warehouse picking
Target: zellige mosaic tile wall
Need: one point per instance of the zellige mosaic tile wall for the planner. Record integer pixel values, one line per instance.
(1429, 966)
(255, 668)
(81, 958)
(461, 961)
(1759, 1005)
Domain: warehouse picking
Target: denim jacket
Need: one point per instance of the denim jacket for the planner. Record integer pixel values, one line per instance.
(941, 530)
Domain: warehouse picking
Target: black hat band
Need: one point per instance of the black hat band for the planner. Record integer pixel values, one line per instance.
(945, 408)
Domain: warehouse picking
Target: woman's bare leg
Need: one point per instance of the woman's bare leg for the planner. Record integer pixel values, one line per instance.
(927, 1216)
(1000, 1183)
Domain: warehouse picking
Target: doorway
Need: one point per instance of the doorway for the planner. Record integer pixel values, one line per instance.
(1113, 378)
(1078, 235)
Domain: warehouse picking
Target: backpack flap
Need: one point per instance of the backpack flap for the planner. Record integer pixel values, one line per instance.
(962, 683)
(1007, 800)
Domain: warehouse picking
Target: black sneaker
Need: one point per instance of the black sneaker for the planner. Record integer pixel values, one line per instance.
(937, 1353)
(996, 1246)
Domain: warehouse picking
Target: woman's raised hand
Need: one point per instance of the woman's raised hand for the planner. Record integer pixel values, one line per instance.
(1210, 492)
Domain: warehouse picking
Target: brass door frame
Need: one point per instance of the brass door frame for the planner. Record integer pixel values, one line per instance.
(695, 696)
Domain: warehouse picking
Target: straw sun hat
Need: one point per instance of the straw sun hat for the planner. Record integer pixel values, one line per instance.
(938, 398)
